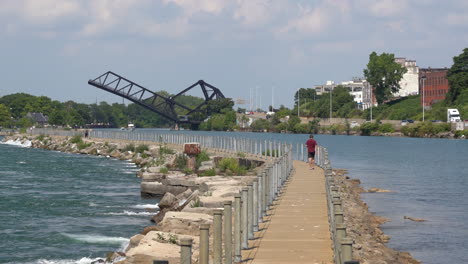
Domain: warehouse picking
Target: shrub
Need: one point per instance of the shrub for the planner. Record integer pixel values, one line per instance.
(141, 148)
(386, 128)
(241, 154)
(173, 239)
(82, 145)
(129, 147)
(196, 203)
(23, 130)
(163, 149)
(187, 171)
(180, 161)
(461, 133)
(210, 172)
(201, 157)
(76, 139)
(40, 137)
(368, 128)
(164, 170)
(228, 164)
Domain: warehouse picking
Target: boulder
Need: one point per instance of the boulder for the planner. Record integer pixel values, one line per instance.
(135, 240)
(151, 249)
(206, 165)
(153, 169)
(148, 176)
(115, 153)
(157, 189)
(184, 195)
(184, 223)
(192, 198)
(168, 201)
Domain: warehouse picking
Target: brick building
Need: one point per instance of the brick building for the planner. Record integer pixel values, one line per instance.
(435, 85)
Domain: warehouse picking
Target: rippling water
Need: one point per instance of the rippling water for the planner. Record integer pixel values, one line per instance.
(59, 206)
(66, 208)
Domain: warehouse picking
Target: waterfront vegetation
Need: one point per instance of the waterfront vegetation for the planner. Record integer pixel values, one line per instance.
(15, 107)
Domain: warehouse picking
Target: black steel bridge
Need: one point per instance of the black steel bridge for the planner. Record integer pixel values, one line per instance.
(167, 107)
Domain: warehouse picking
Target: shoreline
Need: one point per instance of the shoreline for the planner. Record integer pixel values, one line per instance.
(363, 226)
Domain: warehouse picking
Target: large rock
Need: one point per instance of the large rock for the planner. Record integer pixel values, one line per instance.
(206, 165)
(157, 245)
(184, 223)
(153, 169)
(168, 201)
(115, 153)
(149, 176)
(134, 241)
(157, 189)
(184, 195)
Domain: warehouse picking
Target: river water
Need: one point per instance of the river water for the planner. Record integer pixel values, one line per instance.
(66, 208)
(62, 207)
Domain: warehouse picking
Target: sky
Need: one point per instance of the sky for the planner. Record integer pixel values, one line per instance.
(262, 47)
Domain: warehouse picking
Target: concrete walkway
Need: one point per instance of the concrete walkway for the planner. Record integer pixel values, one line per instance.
(296, 230)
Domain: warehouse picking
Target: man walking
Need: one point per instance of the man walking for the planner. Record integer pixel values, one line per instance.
(311, 145)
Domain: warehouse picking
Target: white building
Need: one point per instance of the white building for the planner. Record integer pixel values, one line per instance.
(409, 84)
(358, 88)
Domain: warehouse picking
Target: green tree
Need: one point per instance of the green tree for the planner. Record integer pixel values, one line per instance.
(5, 116)
(384, 74)
(457, 77)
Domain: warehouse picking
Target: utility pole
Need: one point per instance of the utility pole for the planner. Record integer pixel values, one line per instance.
(298, 101)
(330, 103)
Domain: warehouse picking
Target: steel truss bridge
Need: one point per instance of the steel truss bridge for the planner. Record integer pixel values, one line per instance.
(162, 105)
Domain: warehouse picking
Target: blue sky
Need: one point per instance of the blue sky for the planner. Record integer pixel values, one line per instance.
(52, 47)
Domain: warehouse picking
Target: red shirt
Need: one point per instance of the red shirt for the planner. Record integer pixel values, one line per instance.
(311, 143)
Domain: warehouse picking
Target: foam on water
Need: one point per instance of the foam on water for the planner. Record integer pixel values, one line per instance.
(130, 213)
(97, 239)
(65, 261)
(25, 144)
(146, 206)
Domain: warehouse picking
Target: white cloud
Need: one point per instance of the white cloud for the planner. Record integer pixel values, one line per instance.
(309, 21)
(191, 7)
(383, 8)
(457, 19)
(256, 12)
(43, 11)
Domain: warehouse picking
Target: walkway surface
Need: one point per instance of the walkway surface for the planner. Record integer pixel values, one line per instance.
(296, 230)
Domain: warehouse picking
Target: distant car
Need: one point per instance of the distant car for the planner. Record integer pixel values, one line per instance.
(410, 121)
(404, 122)
(436, 121)
(354, 124)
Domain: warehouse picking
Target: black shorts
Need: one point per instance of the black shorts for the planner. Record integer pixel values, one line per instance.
(312, 155)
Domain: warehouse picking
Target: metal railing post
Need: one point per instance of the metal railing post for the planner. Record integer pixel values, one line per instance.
(228, 232)
(185, 250)
(204, 243)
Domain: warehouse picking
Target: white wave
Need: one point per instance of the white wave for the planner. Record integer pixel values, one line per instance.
(66, 261)
(97, 239)
(92, 204)
(25, 144)
(146, 206)
(21, 162)
(131, 213)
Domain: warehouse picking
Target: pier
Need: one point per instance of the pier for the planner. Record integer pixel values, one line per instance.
(296, 229)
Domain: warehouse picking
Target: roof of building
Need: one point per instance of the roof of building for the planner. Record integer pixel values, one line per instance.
(38, 117)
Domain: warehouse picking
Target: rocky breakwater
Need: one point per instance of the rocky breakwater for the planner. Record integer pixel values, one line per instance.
(364, 227)
(189, 195)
